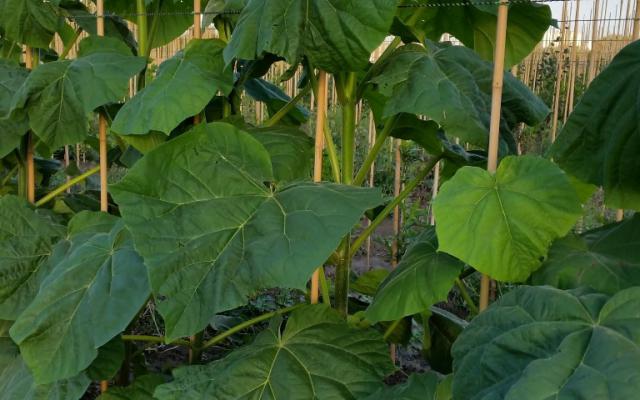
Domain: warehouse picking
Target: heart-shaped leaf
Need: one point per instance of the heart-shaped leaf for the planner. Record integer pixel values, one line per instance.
(544, 343)
(606, 259)
(209, 245)
(12, 76)
(599, 141)
(475, 25)
(316, 356)
(183, 87)
(57, 96)
(26, 240)
(274, 98)
(90, 296)
(503, 224)
(336, 35)
(423, 278)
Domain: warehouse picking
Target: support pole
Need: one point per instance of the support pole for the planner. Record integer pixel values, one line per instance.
(321, 117)
(496, 108)
(102, 126)
(31, 169)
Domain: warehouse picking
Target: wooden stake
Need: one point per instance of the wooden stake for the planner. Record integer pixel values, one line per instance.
(574, 60)
(321, 116)
(31, 170)
(496, 108)
(197, 13)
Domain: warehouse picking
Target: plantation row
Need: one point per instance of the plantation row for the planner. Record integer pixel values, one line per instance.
(206, 213)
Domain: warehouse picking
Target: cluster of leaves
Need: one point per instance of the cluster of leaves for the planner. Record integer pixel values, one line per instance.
(213, 210)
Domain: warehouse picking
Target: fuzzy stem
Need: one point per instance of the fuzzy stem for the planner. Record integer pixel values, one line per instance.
(396, 201)
(153, 339)
(373, 153)
(333, 154)
(324, 287)
(60, 189)
(467, 298)
(219, 338)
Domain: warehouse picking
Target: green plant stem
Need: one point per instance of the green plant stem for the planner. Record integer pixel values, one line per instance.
(143, 38)
(389, 331)
(60, 189)
(153, 339)
(332, 153)
(66, 50)
(219, 338)
(9, 175)
(396, 201)
(467, 298)
(324, 288)
(348, 127)
(375, 150)
(287, 107)
(343, 270)
(195, 352)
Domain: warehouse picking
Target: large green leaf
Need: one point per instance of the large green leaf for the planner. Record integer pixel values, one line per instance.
(290, 149)
(141, 389)
(57, 96)
(599, 142)
(171, 18)
(16, 381)
(423, 278)
(540, 343)
(26, 240)
(30, 22)
(336, 35)
(90, 296)
(317, 356)
(452, 86)
(212, 233)
(475, 25)
(12, 76)
(418, 387)
(183, 87)
(503, 224)
(606, 259)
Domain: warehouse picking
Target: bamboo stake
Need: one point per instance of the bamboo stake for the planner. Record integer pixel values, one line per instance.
(574, 53)
(321, 117)
(31, 170)
(594, 36)
(496, 107)
(434, 192)
(559, 69)
(197, 12)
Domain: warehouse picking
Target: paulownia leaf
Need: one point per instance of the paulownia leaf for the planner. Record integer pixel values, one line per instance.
(16, 381)
(336, 35)
(183, 87)
(91, 295)
(141, 389)
(274, 98)
(30, 22)
(475, 25)
(599, 142)
(423, 278)
(26, 240)
(12, 76)
(108, 362)
(452, 86)
(171, 18)
(606, 259)
(57, 96)
(418, 387)
(369, 282)
(503, 224)
(291, 151)
(539, 343)
(212, 233)
(317, 356)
